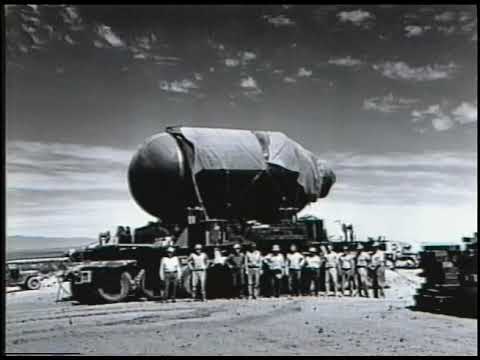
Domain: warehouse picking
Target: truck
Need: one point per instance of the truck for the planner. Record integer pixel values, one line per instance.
(28, 273)
(214, 187)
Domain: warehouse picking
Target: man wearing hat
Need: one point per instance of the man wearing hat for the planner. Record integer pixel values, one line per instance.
(170, 274)
(236, 264)
(377, 270)
(362, 259)
(295, 261)
(313, 263)
(331, 270)
(347, 272)
(198, 264)
(275, 262)
(253, 269)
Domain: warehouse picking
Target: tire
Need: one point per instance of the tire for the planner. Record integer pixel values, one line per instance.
(148, 292)
(121, 288)
(32, 283)
(186, 281)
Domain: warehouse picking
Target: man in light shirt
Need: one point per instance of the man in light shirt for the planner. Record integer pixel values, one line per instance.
(295, 261)
(275, 262)
(198, 264)
(253, 269)
(170, 274)
(377, 271)
(347, 272)
(313, 263)
(362, 260)
(331, 273)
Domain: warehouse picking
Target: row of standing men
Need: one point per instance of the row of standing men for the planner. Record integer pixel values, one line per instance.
(355, 271)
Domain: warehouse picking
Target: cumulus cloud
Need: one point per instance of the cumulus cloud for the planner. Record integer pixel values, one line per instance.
(356, 17)
(446, 16)
(232, 62)
(248, 83)
(289, 79)
(345, 61)
(465, 113)
(243, 58)
(250, 88)
(303, 72)
(388, 103)
(184, 86)
(415, 30)
(402, 71)
(105, 32)
(442, 119)
(280, 20)
(248, 56)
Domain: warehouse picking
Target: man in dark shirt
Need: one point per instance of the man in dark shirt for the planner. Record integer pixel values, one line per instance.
(236, 264)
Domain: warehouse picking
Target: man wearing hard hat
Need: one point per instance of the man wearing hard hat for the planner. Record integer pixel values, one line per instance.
(236, 264)
(198, 264)
(362, 260)
(313, 263)
(253, 269)
(275, 262)
(377, 270)
(170, 274)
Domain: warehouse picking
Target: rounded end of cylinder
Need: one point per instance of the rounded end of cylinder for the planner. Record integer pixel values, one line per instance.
(155, 176)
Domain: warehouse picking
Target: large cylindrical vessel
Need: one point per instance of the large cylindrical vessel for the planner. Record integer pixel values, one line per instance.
(232, 173)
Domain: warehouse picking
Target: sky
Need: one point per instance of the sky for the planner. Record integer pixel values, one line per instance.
(386, 94)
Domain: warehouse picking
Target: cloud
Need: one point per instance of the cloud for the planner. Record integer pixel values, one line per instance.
(58, 166)
(345, 61)
(248, 56)
(447, 30)
(69, 39)
(388, 103)
(248, 83)
(430, 179)
(184, 86)
(280, 20)
(303, 72)
(251, 89)
(442, 119)
(244, 57)
(446, 16)
(106, 33)
(465, 113)
(289, 79)
(415, 30)
(68, 189)
(402, 71)
(356, 17)
(441, 160)
(232, 62)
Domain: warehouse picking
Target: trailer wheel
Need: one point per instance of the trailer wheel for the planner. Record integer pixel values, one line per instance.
(149, 293)
(115, 290)
(32, 283)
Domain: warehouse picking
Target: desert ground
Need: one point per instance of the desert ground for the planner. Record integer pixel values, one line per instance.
(35, 323)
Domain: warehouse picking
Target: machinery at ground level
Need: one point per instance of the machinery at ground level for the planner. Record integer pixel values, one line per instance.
(451, 278)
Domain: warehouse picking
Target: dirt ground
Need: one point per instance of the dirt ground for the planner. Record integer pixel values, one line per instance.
(287, 326)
